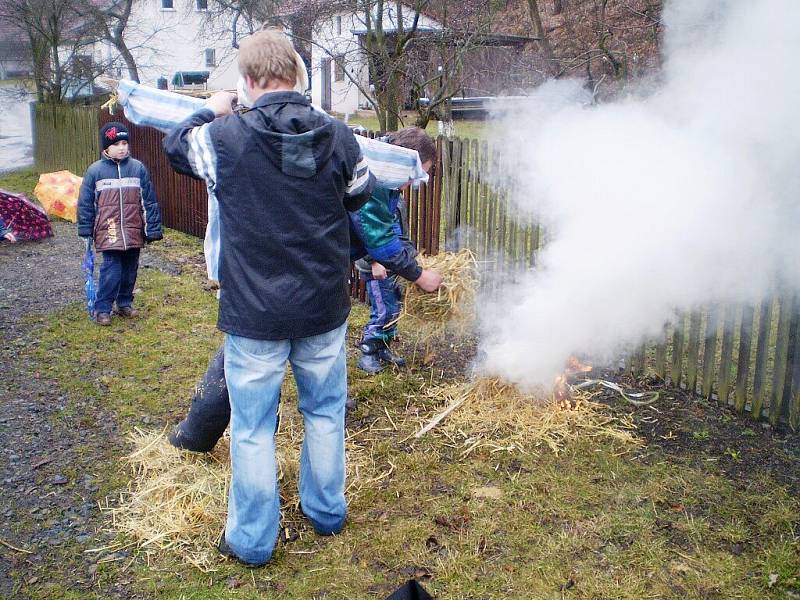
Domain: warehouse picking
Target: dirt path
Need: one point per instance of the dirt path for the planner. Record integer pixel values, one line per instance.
(49, 457)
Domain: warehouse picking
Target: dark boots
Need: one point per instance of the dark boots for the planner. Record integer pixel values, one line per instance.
(386, 355)
(376, 353)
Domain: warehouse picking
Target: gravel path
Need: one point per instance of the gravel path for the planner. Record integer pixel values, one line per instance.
(49, 457)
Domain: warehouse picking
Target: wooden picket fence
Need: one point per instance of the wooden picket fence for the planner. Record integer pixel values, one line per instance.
(65, 137)
(746, 357)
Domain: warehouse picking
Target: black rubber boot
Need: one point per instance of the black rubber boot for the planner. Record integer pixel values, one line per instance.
(369, 360)
(386, 355)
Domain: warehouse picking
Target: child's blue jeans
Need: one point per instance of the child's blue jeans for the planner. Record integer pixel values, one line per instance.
(385, 304)
(254, 371)
(117, 279)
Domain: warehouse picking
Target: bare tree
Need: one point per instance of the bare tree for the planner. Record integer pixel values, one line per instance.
(58, 54)
(608, 42)
(109, 24)
(552, 66)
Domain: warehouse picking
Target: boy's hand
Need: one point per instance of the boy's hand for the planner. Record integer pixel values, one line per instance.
(429, 281)
(378, 271)
(221, 103)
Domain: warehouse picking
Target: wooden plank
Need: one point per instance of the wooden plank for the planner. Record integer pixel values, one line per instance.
(792, 359)
(639, 360)
(464, 193)
(786, 310)
(491, 222)
(677, 351)
(743, 366)
(502, 232)
(482, 211)
(412, 197)
(762, 356)
(660, 365)
(473, 197)
(446, 155)
(453, 170)
(710, 351)
(794, 406)
(437, 190)
(513, 240)
(726, 351)
(693, 350)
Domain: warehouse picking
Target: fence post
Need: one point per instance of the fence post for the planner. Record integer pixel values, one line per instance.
(785, 318)
(726, 352)
(677, 351)
(693, 350)
(661, 356)
(762, 354)
(743, 366)
(794, 385)
(710, 351)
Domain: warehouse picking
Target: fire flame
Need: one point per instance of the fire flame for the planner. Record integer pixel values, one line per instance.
(561, 391)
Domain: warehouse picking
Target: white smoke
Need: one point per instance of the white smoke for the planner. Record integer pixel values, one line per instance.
(682, 196)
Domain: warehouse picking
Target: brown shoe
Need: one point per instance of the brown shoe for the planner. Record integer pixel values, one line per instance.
(103, 319)
(126, 312)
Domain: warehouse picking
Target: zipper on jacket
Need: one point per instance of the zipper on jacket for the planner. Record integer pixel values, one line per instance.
(121, 210)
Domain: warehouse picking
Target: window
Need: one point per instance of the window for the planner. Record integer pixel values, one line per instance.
(338, 25)
(211, 58)
(201, 4)
(338, 68)
(167, 5)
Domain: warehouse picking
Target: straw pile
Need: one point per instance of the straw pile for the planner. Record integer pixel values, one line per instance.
(177, 501)
(451, 307)
(490, 414)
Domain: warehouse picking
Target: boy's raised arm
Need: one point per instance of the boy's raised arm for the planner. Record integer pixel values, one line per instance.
(362, 181)
(189, 148)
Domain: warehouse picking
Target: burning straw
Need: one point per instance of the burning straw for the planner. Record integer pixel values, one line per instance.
(491, 414)
(177, 501)
(452, 305)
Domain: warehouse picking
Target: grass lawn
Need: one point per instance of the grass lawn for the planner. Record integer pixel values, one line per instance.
(20, 182)
(598, 520)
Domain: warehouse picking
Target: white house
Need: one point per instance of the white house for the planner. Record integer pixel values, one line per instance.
(337, 57)
(175, 40)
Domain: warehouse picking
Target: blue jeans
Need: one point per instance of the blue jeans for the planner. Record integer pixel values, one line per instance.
(117, 279)
(385, 304)
(254, 370)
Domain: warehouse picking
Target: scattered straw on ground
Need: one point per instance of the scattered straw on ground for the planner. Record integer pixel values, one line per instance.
(177, 501)
(451, 307)
(490, 414)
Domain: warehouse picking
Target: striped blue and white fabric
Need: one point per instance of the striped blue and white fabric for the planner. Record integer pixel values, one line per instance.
(392, 166)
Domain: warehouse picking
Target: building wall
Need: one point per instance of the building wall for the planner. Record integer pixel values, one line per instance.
(164, 41)
(339, 41)
(336, 36)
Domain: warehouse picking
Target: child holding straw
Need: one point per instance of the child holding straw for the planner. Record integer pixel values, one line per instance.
(383, 252)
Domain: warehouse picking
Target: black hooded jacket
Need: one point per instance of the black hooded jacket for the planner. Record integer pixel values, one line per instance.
(285, 176)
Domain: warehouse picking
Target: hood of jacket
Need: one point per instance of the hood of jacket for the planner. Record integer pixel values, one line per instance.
(295, 144)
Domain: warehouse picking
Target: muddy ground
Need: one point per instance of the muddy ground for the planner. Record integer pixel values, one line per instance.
(49, 457)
